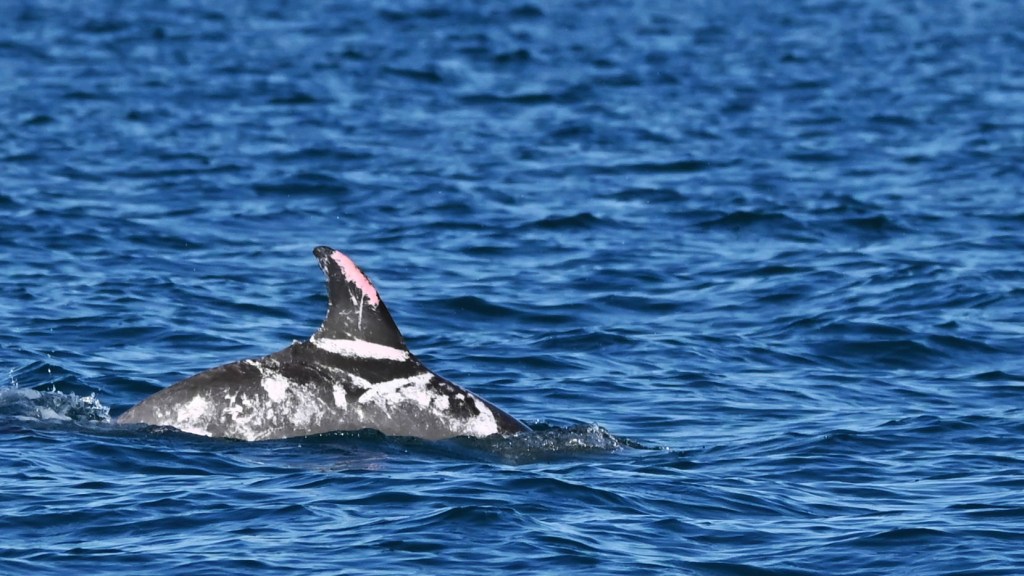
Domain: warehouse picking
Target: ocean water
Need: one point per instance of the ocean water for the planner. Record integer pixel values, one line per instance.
(753, 271)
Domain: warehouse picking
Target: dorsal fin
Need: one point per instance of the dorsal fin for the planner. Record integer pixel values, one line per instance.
(355, 310)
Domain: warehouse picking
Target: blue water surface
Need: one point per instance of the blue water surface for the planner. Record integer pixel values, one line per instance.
(754, 272)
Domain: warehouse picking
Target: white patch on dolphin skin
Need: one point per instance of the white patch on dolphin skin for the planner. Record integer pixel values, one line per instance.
(306, 410)
(193, 417)
(275, 385)
(246, 418)
(338, 392)
(360, 349)
(391, 392)
(360, 382)
(194, 410)
(286, 407)
(249, 415)
(482, 425)
(442, 402)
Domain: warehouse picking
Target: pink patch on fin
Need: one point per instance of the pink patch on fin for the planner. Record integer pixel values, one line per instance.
(356, 276)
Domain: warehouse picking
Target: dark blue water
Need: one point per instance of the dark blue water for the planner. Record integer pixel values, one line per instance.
(753, 271)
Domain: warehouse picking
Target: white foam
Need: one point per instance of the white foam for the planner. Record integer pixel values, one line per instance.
(360, 349)
(51, 414)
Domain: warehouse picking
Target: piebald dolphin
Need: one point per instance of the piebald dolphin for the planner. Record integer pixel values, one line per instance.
(354, 373)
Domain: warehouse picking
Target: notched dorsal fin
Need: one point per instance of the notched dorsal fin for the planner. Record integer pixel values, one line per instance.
(355, 311)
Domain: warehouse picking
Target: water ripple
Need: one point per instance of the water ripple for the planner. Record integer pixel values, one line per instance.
(752, 275)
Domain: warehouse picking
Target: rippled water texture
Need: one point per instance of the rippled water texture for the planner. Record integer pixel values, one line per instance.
(753, 271)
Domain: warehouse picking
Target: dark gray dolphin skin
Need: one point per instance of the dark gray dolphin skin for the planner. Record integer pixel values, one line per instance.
(354, 373)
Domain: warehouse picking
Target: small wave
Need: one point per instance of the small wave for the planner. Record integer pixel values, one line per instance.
(681, 166)
(547, 442)
(647, 195)
(474, 307)
(580, 221)
(303, 183)
(53, 405)
(743, 219)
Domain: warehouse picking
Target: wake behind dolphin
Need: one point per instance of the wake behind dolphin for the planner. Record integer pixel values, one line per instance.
(354, 373)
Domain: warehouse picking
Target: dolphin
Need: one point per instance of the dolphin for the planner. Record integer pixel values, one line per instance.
(354, 373)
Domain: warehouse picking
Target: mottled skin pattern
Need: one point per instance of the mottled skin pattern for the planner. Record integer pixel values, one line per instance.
(354, 373)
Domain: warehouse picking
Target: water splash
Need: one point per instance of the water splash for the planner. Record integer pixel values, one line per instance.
(52, 404)
(547, 442)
